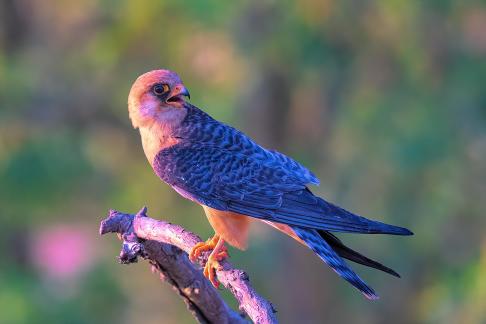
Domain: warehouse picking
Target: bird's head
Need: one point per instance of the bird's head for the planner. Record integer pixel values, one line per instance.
(157, 96)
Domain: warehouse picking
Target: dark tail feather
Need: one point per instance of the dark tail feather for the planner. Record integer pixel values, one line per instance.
(304, 209)
(377, 227)
(320, 246)
(358, 224)
(347, 253)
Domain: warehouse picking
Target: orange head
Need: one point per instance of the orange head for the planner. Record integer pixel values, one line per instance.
(156, 96)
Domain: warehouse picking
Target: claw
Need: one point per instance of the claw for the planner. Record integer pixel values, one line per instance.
(197, 250)
(210, 270)
(219, 253)
(222, 255)
(201, 247)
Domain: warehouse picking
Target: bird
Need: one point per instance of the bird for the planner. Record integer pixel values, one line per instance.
(236, 180)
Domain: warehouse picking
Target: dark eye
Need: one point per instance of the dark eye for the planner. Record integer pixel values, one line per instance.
(160, 89)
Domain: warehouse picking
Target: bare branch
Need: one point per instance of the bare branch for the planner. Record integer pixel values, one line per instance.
(166, 246)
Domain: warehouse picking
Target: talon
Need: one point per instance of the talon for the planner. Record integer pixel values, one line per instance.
(219, 253)
(210, 271)
(201, 247)
(196, 251)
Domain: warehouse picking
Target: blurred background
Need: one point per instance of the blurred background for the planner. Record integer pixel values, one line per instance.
(384, 100)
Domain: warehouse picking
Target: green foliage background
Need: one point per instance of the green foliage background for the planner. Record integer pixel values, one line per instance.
(385, 100)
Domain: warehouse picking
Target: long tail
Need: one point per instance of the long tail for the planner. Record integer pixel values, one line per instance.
(322, 248)
(347, 253)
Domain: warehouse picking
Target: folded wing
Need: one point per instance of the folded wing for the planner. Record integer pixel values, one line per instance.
(259, 183)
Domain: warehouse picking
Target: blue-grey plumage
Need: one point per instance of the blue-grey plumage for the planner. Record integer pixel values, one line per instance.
(235, 179)
(332, 259)
(220, 167)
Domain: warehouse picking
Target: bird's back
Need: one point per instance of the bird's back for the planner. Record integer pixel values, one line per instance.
(202, 130)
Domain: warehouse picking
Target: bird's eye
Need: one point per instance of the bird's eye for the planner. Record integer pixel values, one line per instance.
(160, 89)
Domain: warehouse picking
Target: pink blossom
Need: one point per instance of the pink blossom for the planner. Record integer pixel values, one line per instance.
(62, 252)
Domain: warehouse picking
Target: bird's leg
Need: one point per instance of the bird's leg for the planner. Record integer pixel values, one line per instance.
(201, 247)
(219, 253)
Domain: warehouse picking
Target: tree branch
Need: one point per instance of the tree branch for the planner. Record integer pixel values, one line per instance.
(166, 246)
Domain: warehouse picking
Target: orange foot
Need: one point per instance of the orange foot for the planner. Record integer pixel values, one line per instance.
(219, 253)
(201, 247)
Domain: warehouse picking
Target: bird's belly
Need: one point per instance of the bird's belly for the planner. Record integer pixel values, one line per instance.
(232, 227)
(285, 229)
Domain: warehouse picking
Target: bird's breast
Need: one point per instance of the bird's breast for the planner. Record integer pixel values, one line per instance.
(154, 140)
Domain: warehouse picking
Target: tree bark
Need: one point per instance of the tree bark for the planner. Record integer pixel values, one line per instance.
(166, 246)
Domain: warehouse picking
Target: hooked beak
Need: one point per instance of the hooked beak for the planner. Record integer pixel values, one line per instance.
(177, 92)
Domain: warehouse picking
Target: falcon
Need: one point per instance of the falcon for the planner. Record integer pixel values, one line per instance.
(235, 180)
